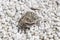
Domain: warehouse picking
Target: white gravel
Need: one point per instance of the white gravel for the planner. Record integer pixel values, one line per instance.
(12, 10)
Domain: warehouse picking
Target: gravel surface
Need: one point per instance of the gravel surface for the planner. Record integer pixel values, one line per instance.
(12, 10)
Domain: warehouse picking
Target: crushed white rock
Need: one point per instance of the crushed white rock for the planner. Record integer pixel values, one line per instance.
(12, 10)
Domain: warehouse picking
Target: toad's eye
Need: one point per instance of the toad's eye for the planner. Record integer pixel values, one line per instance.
(27, 19)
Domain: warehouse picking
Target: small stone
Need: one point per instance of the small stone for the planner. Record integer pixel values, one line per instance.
(34, 8)
(11, 14)
(1, 34)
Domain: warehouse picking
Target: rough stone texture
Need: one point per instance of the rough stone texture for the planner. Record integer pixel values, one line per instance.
(12, 10)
